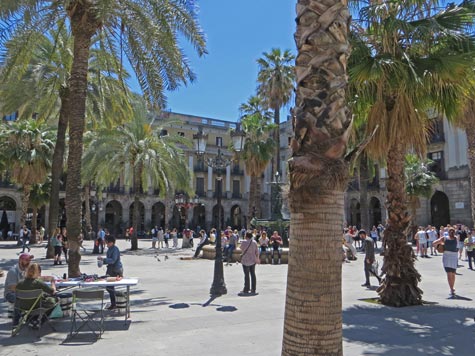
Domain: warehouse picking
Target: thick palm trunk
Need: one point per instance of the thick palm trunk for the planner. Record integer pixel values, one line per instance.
(313, 320)
(254, 209)
(318, 175)
(364, 207)
(470, 132)
(276, 166)
(87, 209)
(83, 26)
(134, 245)
(24, 204)
(57, 167)
(399, 287)
(34, 219)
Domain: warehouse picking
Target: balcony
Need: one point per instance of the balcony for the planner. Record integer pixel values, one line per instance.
(236, 196)
(200, 168)
(201, 193)
(237, 172)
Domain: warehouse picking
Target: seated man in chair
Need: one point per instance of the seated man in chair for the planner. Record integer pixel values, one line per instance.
(31, 282)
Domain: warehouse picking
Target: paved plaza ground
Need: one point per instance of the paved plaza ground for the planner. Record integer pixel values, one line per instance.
(173, 315)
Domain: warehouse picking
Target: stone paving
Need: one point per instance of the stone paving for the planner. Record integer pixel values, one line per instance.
(172, 313)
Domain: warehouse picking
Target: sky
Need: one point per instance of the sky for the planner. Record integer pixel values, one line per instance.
(237, 33)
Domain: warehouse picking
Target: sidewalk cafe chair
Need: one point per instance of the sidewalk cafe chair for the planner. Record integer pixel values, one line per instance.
(87, 310)
(36, 315)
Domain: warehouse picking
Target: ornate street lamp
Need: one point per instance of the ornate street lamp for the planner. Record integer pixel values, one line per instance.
(218, 163)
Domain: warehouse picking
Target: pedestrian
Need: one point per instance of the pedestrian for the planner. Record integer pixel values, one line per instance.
(155, 237)
(80, 241)
(174, 237)
(349, 243)
(25, 238)
(421, 237)
(449, 258)
(101, 235)
(15, 275)
(41, 234)
(161, 238)
(368, 245)
(57, 243)
(470, 248)
(249, 259)
(114, 267)
(432, 236)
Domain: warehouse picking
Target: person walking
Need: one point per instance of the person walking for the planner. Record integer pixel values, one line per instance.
(470, 248)
(449, 258)
(25, 238)
(249, 259)
(369, 258)
(174, 237)
(57, 243)
(155, 237)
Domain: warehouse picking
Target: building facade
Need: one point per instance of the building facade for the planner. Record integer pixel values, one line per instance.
(113, 208)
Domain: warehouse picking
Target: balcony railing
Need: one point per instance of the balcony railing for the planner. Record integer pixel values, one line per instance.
(236, 195)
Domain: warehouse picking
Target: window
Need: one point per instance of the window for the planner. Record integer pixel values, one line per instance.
(435, 156)
(236, 188)
(163, 132)
(182, 134)
(200, 186)
(219, 141)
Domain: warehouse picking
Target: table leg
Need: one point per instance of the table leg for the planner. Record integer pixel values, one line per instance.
(127, 305)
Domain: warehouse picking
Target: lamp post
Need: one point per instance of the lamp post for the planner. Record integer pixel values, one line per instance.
(276, 198)
(218, 163)
(183, 202)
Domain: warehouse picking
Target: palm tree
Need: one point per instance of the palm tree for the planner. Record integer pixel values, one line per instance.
(39, 196)
(43, 80)
(275, 85)
(466, 122)
(409, 58)
(258, 148)
(318, 175)
(419, 182)
(146, 32)
(27, 148)
(137, 153)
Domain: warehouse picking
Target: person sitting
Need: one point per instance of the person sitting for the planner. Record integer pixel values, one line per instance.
(32, 281)
(203, 241)
(264, 246)
(276, 243)
(15, 275)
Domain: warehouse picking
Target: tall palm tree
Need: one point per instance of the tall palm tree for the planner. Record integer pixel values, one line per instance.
(39, 196)
(275, 85)
(466, 122)
(137, 153)
(318, 175)
(420, 181)
(146, 32)
(43, 80)
(409, 57)
(258, 148)
(27, 147)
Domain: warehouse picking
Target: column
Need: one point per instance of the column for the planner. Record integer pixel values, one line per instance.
(247, 185)
(190, 165)
(227, 193)
(210, 182)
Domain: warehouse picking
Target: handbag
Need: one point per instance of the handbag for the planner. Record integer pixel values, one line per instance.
(440, 248)
(57, 312)
(242, 254)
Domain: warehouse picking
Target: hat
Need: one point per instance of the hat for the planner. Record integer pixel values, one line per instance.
(25, 256)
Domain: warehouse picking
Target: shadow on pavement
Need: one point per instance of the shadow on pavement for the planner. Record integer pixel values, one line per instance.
(404, 331)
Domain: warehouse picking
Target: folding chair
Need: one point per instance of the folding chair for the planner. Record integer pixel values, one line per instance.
(37, 310)
(87, 310)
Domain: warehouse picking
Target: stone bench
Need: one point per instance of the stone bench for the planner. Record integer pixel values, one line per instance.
(209, 253)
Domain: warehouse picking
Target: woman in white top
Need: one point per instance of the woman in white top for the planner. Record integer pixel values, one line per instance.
(264, 245)
(249, 258)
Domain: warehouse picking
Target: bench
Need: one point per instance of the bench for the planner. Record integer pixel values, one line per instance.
(209, 253)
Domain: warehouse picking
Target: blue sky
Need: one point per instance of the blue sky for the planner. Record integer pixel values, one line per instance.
(237, 32)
